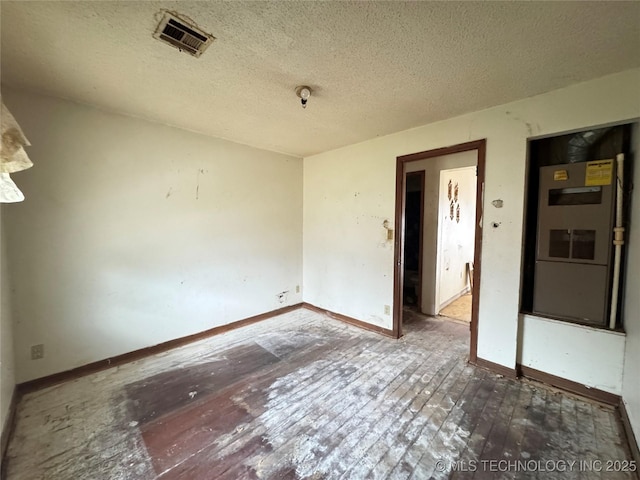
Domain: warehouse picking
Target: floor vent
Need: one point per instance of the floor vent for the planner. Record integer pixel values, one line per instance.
(182, 35)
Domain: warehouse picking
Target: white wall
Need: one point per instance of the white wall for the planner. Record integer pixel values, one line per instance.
(347, 257)
(349, 191)
(7, 372)
(583, 354)
(631, 377)
(135, 233)
(432, 167)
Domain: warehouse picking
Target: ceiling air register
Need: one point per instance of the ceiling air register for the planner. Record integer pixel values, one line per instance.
(183, 35)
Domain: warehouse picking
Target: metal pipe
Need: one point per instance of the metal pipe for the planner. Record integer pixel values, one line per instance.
(618, 240)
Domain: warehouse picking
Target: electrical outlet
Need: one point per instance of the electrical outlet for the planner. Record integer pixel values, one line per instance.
(37, 351)
(387, 310)
(389, 234)
(297, 288)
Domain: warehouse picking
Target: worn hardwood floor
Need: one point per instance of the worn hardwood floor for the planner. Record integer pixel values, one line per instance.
(304, 396)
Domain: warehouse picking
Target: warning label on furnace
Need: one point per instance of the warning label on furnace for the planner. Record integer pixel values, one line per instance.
(599, 172)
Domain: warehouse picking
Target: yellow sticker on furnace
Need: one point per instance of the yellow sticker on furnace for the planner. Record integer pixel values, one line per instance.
(559, 175)
(599, 172)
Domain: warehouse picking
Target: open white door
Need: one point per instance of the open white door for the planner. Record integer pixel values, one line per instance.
(456, 233)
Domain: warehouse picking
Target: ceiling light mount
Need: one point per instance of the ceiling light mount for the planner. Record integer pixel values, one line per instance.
(303, 92)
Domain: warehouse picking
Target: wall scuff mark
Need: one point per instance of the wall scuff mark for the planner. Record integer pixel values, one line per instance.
(200, 171)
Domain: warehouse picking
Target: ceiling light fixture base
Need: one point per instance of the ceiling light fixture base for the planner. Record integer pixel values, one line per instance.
(303, 92)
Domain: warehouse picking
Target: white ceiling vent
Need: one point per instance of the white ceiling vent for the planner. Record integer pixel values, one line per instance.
(182, 35)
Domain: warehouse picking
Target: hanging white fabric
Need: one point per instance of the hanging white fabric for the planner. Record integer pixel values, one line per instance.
(9, 192)
(13, 157)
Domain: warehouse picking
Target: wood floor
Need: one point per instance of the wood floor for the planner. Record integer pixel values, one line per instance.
(303, 396)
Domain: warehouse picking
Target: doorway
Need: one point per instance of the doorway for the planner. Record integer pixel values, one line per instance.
(413, 233)
(431, 301)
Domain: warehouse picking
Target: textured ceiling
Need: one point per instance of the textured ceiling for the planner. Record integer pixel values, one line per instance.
(375, 67)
